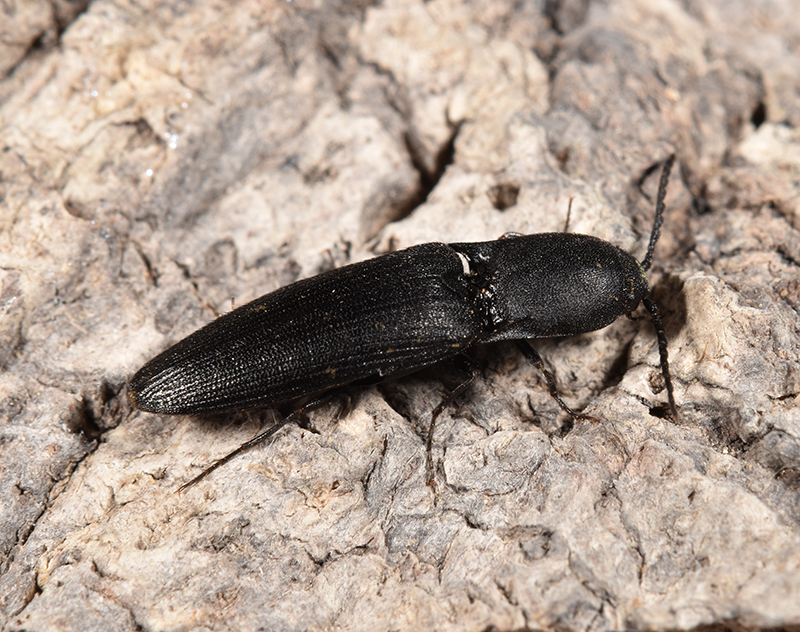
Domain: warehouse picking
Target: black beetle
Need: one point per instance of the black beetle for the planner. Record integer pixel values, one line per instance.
(397, 313)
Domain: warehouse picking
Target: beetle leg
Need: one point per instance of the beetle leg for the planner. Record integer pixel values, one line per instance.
(569, 213)
(473, 373)
(536, 360)
(263, 436)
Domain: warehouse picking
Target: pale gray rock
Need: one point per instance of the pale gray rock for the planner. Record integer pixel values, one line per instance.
(165, 160)
(29, 31)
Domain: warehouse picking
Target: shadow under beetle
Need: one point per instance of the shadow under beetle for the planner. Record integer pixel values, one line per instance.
(397, 313)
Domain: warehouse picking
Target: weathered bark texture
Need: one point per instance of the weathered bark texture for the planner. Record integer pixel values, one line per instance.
(159, 159)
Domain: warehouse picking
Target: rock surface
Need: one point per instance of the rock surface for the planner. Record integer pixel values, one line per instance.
(163, 159)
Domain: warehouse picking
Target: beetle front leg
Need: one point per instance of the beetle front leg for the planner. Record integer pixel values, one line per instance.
(535, 359)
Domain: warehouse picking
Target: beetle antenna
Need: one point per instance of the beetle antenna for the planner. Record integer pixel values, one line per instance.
(662, 193)
(662, 352)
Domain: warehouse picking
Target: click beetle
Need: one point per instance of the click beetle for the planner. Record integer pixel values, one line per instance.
(397, 313)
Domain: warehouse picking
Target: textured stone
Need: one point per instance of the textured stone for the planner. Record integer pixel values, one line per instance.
(168, 159)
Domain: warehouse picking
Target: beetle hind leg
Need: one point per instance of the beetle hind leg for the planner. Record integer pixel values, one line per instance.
(294, 416)
(458, 390)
